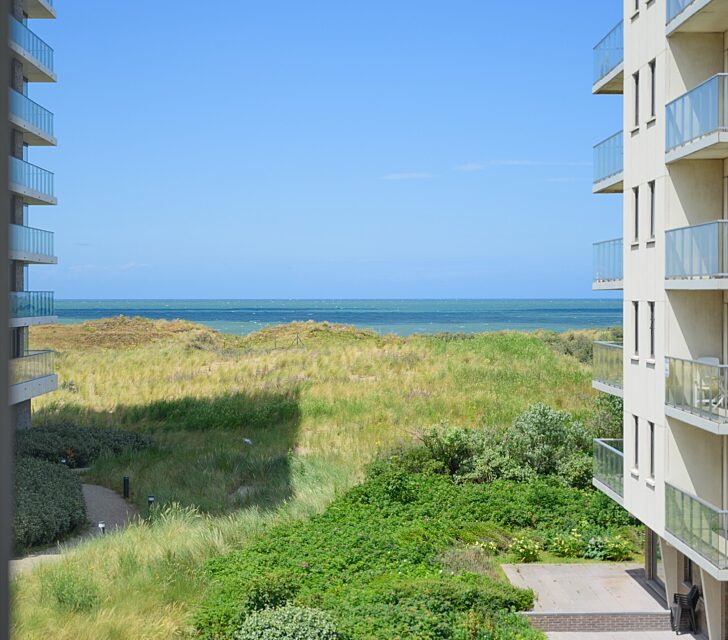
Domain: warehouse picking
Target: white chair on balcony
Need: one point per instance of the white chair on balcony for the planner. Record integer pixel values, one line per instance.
(709, 391)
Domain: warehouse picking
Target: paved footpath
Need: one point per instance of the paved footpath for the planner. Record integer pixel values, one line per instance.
(102, 505)
(627, 635)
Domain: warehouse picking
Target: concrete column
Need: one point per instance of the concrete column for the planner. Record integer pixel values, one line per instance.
(670, 560)
(713, 598)
(16, 8)
(20, 415)
(16, 76)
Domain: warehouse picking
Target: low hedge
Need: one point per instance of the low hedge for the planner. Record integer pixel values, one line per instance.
(288, 623)
(80, 446)
(49, 502)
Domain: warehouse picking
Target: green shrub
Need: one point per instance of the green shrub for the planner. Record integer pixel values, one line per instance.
(570, 545)
(269, 591)
(499, 626)
(70, 590)
(49, 502)
(614, 548)
(452, 448)
(80, 446)
(288, 623)
(607, 417)
(525, 549)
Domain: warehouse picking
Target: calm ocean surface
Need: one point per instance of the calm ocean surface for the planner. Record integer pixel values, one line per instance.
(402, 317)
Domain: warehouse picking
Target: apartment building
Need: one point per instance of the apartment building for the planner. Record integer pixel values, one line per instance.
(31, 125)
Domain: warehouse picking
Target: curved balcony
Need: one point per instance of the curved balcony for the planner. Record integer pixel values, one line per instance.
(608, 368)
(696, 392)
(32, 375)
(609, 165)
(609, 468)
(609, 62)
(34, 246)
(697, 122)
(697, 16)
(608, 265)
(32, 52)
(31, 308)
(33, 183)
(34, 121)
(696, 257)
(697, 528)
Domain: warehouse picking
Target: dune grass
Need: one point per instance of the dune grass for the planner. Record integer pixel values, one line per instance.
(316, 403)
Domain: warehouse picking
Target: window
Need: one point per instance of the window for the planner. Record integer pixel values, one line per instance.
(636, 464)
(636, 311)
(652, 209)
(636, 195)
(652, 449)
(652, 329)
(687, 571)
(636, 83)
(653, 85)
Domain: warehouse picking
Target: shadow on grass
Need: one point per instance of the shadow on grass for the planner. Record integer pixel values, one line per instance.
(219, 454)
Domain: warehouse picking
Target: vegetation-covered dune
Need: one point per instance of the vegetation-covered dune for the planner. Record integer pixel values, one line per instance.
(253, 432)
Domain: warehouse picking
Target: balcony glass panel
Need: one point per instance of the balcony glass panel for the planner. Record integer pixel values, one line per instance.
(698, 524)
(698, 387)
(609, 158)
(31, 112)
(608, 364)
(609, 464)
(608, 260)
(697, 252)
(697, 113)
(676, 7)
(31, 304)
(31, 177)
(34, 365)
(30, 240)
(31, 43)
(609, 53)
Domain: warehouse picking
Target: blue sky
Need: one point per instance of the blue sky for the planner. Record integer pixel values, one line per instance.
(325, 149)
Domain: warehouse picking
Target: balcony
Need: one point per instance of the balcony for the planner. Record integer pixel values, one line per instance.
(32, 375)
(39, 9)
(31, 308)
(608, 368)
(696, 392)
(609, 165)
(34, 184)
(696, 526)
(609, 468)
(697, 257)
(30, 245)
(34, 121)
(34, 54)
(608, 265)
(697, 16)
(697, 123)
(609, 63)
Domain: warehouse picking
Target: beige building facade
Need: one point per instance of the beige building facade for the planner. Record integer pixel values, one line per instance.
(31, 125)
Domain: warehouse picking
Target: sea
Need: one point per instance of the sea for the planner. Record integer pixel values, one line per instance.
(401, 317)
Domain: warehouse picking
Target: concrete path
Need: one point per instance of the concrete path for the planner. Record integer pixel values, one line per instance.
(102, 505)
(585, 588)
(627, 635)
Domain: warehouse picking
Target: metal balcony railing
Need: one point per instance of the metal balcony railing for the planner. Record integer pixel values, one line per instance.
(31, 112)
(31, 304)
(609, 52)
(699, 387)
(31, 43)
(608, 365)
(608, 261)
(34, 365)
(698, 524)
(31, 177)
(609, 157)
(700, 251)
(609, 464)
(30, 240)
(697, 113)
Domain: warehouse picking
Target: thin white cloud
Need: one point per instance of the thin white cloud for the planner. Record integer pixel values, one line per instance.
(412, 175)
(473, 167)
(569, 179)
(470, 167)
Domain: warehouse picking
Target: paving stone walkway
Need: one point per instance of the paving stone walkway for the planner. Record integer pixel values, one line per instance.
(627, 635)
(102, 505)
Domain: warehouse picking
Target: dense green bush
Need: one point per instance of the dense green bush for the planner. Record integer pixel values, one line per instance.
(372, 558)
(49, 502)
(80, 446)
(288, 623)
(607, 417)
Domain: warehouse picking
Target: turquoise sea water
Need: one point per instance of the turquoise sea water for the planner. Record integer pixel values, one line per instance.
(402, 317)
